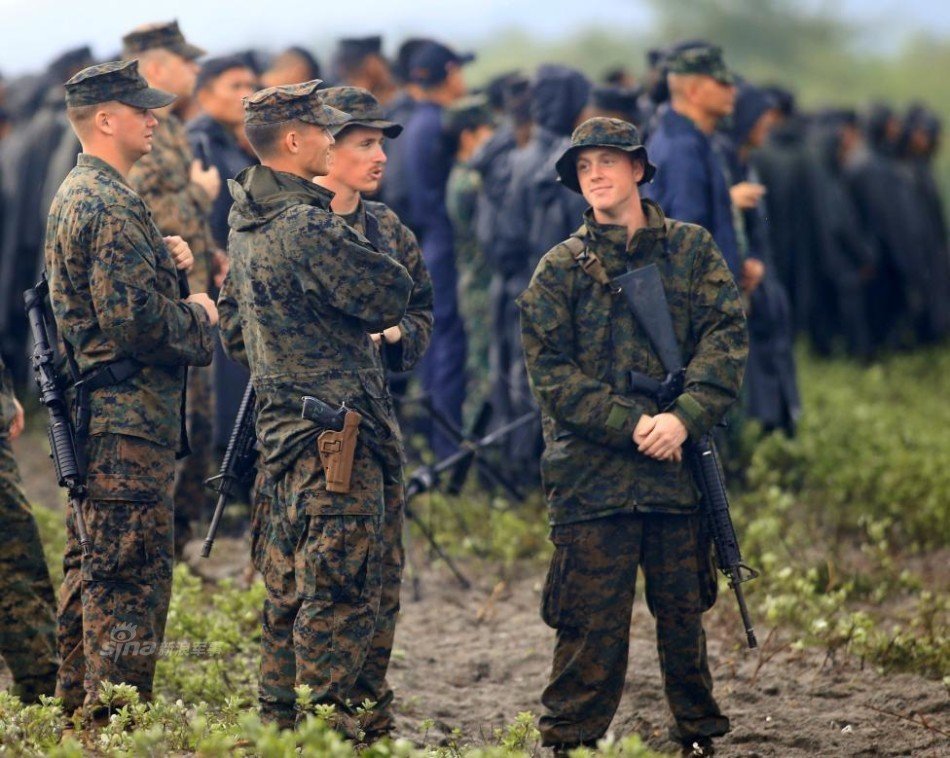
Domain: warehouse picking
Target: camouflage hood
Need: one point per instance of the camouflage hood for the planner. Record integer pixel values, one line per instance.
(261, 194)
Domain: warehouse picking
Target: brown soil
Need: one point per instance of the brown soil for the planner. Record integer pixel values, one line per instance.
(473, 660)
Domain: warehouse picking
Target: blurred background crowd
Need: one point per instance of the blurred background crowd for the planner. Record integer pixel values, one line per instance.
(830, 216)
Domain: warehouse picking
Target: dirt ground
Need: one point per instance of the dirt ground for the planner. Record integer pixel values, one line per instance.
(472, 660)
(475, 659)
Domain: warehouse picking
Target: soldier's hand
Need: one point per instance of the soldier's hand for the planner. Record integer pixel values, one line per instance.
(181, 252)
(664, 438)
(207, 303)
(207, 178)
(392, 335)
(19, 420)
(220, 264)
(644, 425)
(377, 337)
(746, 195)
(752, 272)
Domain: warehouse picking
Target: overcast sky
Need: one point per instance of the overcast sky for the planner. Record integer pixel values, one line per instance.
(34, 31)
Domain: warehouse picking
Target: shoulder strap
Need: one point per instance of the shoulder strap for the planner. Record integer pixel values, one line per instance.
(372, 232)
(584, 258)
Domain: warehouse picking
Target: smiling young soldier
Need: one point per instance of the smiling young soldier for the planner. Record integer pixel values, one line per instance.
(302, 296)
(618, 492)
(115, 296)
(357, 163)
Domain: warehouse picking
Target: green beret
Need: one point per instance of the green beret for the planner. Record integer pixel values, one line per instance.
(115, 80)
(602, 132)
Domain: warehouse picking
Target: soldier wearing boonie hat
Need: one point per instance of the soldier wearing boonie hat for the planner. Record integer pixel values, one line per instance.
(580, 344)
(602, 132)
(115, 295)
(304, 293)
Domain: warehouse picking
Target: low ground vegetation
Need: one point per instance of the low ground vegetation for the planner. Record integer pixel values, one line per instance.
(848, 523)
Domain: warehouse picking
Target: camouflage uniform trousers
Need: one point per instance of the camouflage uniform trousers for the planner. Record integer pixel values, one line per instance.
(191, 497)
(588, 598)
(27, 604)
(113, 604)
(333, 585)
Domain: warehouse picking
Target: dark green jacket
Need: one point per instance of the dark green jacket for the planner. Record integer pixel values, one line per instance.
(581, 341)
(303, 292)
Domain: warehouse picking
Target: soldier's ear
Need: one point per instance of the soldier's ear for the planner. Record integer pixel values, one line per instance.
(292, 141)
(104, 120)
(639, 168)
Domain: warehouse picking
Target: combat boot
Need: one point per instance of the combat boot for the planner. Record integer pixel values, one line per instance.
(563, 749)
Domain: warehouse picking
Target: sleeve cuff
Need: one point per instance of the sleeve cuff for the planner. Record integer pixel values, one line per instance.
(690, 412)
(621, 421)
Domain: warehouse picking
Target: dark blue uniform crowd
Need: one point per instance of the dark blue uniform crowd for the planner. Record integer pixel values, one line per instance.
(831, 221)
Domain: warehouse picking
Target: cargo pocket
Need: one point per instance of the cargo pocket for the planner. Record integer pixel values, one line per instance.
(340, 559)
(119, 514)
(558, 602)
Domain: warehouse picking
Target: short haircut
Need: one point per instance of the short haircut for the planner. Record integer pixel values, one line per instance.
(214, 67)
(679, 82)
(81, 116)
(263, 138)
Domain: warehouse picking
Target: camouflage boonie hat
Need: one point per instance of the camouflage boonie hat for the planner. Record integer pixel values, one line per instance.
(706, 60)
(165, 36)
(602, 132)
(363, 108)
(289, 102)
(468, 113)
(116, 80)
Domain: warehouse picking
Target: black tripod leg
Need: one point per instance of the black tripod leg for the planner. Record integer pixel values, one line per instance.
(427, 533)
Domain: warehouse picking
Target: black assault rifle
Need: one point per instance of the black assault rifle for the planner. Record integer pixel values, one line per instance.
(236, 466)
(643, 290)
(70, 472)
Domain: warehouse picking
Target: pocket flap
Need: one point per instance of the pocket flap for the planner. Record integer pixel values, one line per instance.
(127, 489)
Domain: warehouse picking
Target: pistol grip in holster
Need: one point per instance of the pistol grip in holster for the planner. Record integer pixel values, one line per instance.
(337, 450)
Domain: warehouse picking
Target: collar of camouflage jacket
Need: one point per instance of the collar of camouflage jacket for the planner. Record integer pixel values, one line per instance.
(92, 161)
(606, 240)
(261, 194)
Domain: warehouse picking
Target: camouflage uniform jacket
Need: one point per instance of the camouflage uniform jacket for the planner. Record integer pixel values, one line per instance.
(179, 206)
(302, 295)
(7, 409)
(115, 294)
(580, 342)
(389, 235)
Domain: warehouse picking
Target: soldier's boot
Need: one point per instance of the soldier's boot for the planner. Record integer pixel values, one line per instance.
(284, 716)
(30, 688)
(563, 749)
(378, 723)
